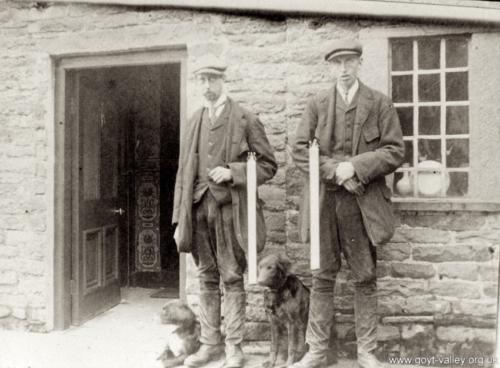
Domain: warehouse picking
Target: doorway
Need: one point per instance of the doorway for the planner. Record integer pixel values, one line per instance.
(122, 129)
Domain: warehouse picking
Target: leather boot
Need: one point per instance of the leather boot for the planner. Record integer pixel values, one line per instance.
(204, 355)
(365, 313)
(234, 357)
(234, 318)
(319, 328)
(210, 336)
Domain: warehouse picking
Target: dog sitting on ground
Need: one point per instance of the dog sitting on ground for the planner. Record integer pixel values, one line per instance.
(287, 308)
(184, 340)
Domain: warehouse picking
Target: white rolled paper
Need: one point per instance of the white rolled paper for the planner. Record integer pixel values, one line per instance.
(252, 217)
(314, 203)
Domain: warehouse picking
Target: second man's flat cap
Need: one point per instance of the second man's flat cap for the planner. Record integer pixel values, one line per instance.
(344, 47)
(210, 64)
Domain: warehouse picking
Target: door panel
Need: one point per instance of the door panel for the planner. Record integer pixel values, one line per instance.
(97, 210)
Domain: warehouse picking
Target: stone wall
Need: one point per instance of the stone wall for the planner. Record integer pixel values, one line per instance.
(437, 277)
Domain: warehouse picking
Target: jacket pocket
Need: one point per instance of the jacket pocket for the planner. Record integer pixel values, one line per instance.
(371, 133)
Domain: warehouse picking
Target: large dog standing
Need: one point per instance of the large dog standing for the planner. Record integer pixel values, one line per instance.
(287, 308)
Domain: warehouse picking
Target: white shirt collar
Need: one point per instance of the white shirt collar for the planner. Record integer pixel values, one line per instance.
(350, 93)
(220, 102)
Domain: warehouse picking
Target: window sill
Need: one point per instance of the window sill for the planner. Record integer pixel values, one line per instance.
(445, 204)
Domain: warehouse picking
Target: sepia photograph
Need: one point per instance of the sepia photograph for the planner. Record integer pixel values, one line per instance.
(259, 183)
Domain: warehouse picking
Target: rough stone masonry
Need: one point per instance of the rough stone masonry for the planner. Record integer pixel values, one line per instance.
(437, 277)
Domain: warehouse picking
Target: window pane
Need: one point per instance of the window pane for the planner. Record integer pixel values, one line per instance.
(402, 90)
(405, 115)
(428, 53)
(408, 153)
(402, 55)
(457, 86)
(459, 183)
(403, 184)
(457, 153)
(428, 87)
(429, 149)
(429, 120)
(456, 52)
(457, 120)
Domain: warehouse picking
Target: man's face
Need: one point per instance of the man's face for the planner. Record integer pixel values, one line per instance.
(211, 85)
(346, 68)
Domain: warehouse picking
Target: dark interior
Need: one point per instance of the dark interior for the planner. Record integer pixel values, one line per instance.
(148, 101)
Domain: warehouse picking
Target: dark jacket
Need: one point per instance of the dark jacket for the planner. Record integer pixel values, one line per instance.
(378, 150)
(245, 134)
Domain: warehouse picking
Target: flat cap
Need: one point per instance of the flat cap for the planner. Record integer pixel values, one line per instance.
(344, 47)
(210, 64)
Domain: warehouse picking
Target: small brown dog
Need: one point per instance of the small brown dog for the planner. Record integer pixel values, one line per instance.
(287, 309)
(184, 339)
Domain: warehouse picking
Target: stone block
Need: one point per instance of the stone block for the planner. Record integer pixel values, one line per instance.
(421, 235)
(400, 287)
(426, 305)
(413, 270)
(451, 253)
(462, 334)
(5, 311)
(488, 272)
(273, 197)
(387, 333)
(393, 252)
(490, 290)
(8, 251)
(465, 320)
(464, 271)
(275, 221)
(475, 307)
(478, 236)
(457, 289)
(414, 330)
(383, 269)
(345, 331)
(19, 313)
(449, 221)
(410, 319)
(8, 277)
(257, 331)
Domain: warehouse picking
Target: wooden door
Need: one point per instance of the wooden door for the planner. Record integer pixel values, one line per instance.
(97, 199)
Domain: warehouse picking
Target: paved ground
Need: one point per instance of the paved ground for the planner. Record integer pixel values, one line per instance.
(129, 335)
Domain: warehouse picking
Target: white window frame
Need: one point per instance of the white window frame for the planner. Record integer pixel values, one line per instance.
(442, 103)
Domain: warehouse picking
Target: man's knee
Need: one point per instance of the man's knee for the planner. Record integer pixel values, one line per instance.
(209, 281)
(321, 284)
(234, 285)
(366, 282)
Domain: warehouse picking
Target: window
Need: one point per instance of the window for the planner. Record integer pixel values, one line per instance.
(429, 86)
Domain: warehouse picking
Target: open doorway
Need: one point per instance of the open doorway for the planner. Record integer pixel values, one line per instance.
(122, 135)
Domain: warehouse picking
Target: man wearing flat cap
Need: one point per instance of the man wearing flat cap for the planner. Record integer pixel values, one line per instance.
(210, 208)
(360, 142)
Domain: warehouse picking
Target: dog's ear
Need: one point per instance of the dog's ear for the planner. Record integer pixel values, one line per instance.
(284, 264)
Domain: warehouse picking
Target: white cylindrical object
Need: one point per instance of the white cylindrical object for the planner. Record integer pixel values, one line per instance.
(314, 204)
(252, 217)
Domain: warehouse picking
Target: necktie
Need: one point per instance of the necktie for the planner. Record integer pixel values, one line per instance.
(346, 98)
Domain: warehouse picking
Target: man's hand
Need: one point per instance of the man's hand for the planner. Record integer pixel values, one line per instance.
(353, 186)
(176, 235)
(220, 175)
(344, 171)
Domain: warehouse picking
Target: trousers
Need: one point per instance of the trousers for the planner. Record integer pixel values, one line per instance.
(343, 232)
(217, 249)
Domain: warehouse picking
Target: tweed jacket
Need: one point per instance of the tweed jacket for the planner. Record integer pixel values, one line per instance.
(377, 150)
(245, 134)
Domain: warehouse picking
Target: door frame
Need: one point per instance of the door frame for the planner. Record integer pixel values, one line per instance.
(62, 252)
